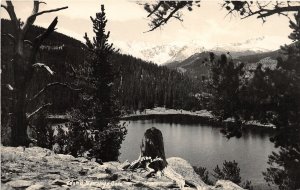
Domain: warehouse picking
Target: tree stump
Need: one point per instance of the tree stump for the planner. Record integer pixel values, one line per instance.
(153, 146)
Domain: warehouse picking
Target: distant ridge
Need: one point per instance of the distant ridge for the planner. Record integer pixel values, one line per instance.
(198, 65)
(54, 39)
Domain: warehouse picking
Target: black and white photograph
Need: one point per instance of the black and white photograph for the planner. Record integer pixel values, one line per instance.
(150, 95)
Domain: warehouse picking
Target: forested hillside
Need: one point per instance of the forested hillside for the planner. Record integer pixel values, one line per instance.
(139, 84)
(59, 52)
(258, 56)
(196, 66)
(146, 85)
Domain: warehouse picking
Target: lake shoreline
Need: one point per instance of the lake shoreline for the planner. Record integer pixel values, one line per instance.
(203, 144)
(202, 116)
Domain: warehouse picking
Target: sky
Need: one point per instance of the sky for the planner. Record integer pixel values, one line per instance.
(207, 26)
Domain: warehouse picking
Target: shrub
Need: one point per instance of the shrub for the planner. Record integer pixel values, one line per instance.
(230, 171)
(204, 174)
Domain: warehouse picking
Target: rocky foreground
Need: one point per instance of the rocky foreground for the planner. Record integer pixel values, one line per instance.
(37, 168)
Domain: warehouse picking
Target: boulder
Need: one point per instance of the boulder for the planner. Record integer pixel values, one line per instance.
(124, 165)
(6, 187)
(36, 187)
(58, 182)
(19, 184)
(185, 169)
(226, 185)
(183, 173)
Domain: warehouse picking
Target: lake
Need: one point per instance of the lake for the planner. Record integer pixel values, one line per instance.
(204, 145)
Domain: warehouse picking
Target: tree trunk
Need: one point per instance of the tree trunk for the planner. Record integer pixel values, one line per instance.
(19, 121)
(153, 146)
(19, 129)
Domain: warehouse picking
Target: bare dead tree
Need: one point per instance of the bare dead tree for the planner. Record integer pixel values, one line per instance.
(24, 68)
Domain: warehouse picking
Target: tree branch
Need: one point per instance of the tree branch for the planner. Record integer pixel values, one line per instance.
(51, 28)
(164, 20)
(8, 86)
(44, 66)
(88, 42)
(155, 8)
(49, 11)
(36, 45)
(42, 2)
(28, 42)
(51, 85)
(279, 10)
(11, 12)
(11, 37)
(29, 116)
(178, 18)
(30, 20)
(3, 6)
(262, 12)
(39, 40)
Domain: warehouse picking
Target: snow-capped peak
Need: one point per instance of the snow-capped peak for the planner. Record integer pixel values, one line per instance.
(178, 51)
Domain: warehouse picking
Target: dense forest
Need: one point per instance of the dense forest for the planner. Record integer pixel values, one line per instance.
(146, 85)
(135, 77)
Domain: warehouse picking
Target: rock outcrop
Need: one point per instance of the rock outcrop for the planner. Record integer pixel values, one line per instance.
(37, 168)
(183, 168)
(225, 184)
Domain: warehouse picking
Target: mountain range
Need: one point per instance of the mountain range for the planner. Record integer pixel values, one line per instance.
(198, 64)
(173, 52)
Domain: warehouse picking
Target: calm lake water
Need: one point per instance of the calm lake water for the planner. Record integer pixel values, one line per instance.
(204, 145)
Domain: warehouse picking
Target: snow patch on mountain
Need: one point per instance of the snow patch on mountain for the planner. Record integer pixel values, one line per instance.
(179, 51)
(185, 53)
(148, 51)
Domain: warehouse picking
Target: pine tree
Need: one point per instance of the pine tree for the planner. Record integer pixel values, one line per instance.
(284, 169)
(108, 132)
(230, 171)
(204, 174)
(225, 83)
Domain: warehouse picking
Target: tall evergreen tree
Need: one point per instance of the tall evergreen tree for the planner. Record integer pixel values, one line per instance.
(284, 169)
(108, 131)
(225, 86)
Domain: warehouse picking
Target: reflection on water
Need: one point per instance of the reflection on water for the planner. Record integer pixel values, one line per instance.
(204, 145)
